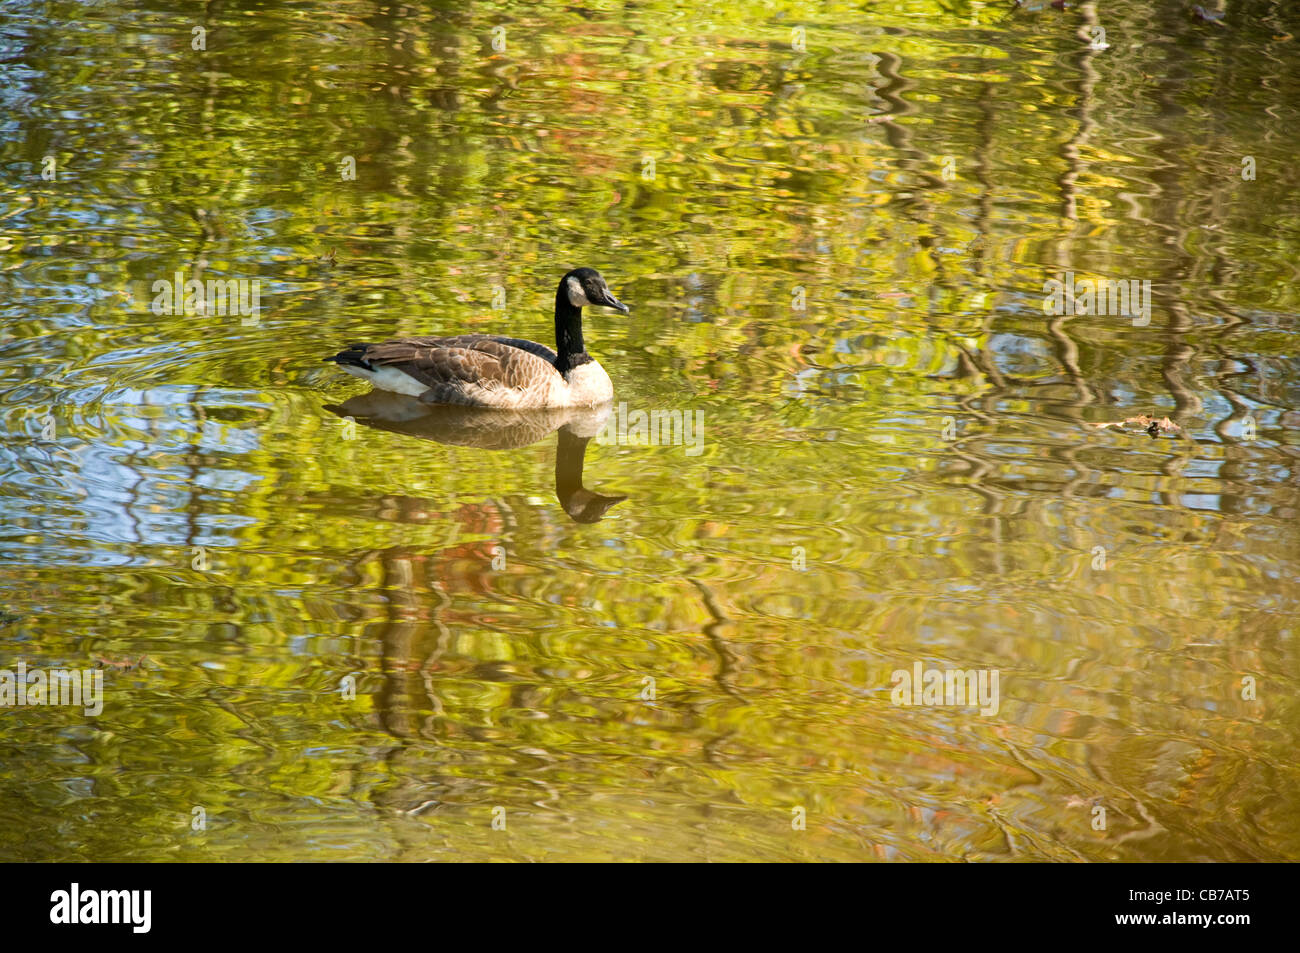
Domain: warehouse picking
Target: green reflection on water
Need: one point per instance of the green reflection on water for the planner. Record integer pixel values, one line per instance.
(835, 256)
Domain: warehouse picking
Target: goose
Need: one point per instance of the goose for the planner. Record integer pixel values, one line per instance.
(490, 370)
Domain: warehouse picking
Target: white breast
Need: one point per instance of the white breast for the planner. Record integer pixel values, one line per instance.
(589, 385)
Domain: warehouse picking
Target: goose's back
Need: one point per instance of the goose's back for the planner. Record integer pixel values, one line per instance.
(476, 370)
(490, 344)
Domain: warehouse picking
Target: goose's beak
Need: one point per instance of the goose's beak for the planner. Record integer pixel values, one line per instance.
(612, 302)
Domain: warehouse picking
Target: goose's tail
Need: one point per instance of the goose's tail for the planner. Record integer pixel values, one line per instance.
(354, 355)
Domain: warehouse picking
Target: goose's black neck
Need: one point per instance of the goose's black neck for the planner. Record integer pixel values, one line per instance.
(569, 349)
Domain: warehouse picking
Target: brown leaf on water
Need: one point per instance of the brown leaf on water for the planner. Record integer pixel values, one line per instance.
(1142, 423)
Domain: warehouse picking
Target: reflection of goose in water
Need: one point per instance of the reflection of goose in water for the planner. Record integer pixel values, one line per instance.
(496, 430)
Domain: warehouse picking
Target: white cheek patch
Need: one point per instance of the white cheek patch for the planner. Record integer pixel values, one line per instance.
(577, 297)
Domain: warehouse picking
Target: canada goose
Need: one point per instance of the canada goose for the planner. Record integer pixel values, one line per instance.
(488, 370)
(490, 429)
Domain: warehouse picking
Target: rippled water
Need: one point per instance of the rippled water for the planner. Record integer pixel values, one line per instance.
(835, 257)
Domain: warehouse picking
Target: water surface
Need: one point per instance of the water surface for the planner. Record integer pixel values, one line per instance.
(835, 257)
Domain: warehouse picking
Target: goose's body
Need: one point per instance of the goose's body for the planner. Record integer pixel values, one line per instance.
(489, 370)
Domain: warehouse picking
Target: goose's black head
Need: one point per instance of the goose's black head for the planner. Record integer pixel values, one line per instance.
(580, 287)
(584, 286)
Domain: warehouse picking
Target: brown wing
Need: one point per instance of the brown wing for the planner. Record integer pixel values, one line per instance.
(466, 359)
(474, 340)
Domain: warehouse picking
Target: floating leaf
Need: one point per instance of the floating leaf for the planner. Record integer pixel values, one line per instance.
(1142, 423)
